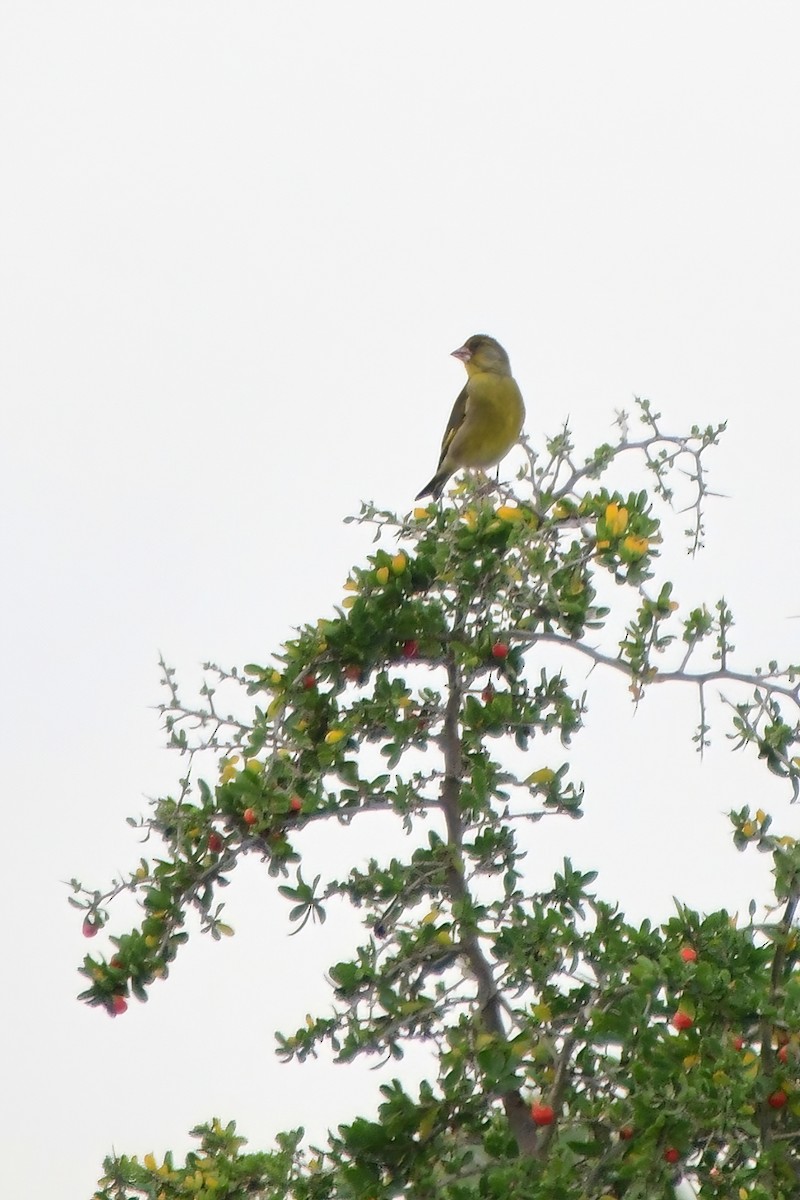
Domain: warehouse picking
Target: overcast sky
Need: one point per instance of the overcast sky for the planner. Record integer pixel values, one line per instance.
(238, 242)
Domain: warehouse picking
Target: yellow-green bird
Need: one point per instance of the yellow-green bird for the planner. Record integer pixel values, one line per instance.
(487, 416)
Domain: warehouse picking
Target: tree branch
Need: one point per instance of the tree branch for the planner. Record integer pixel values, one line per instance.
(719, 674)
(517, 1111)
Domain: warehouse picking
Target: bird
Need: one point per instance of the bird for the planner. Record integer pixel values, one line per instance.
(487, 416)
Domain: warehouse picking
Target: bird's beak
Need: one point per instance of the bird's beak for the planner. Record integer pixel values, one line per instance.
(463, 353)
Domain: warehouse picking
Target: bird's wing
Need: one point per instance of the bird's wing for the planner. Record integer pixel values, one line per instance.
(456, 420)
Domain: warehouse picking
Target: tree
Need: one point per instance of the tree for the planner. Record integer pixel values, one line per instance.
(574, 1055)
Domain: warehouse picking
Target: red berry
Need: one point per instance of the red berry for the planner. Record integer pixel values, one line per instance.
(738, 1043)
(353, 673)
(688, 954)
(116, 962)
(309, 681)
(119, 1005)
(542, 1114)
(488, 694)
(295, 804)
(90, 928)
(215, 842)
(671, 1155)
(626, 1133)
(410, 648)
(777, 1099)
(500, 650)
(681, 1020)
(783, 1054)
(250, 816)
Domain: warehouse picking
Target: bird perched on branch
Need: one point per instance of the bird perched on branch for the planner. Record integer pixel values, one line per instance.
(487, 416)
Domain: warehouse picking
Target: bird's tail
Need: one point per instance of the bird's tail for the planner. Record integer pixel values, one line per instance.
(435, 487)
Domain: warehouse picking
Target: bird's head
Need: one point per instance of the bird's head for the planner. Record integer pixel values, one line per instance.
(482, 353)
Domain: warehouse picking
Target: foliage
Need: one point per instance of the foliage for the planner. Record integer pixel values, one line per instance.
(575, 1055)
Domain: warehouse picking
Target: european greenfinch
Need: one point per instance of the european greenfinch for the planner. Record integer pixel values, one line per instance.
(487, 416)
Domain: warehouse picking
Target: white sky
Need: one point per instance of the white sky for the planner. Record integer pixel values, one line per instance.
(238, 242)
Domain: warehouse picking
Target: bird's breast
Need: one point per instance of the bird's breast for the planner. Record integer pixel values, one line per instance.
(493, 420)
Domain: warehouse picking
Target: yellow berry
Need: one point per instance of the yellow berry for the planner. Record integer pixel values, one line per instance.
(399, 563)
(616, 519)
(382, 575)
(334, 735)
(543, 775)
(636, 546)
